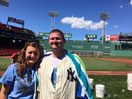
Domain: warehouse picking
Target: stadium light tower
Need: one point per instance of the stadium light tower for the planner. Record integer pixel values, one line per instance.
(103, 16)
(4, 3)
(53, 14)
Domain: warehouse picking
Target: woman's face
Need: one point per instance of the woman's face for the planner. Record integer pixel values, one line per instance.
(32, 55)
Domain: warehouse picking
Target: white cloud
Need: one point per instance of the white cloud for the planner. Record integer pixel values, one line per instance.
(116, 26)
(121, 6)
(80, 23)
(131, 2)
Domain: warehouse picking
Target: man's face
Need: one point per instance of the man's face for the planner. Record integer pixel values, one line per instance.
(56, 40)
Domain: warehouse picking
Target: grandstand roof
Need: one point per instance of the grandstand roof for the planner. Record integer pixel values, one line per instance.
(16, 29)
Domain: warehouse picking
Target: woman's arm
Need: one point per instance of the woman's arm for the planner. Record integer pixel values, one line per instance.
(38, 94)
(4, 91)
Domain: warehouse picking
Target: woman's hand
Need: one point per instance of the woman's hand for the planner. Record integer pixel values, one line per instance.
(4, 91)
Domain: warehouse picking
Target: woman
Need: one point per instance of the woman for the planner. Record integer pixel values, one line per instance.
(18, 80)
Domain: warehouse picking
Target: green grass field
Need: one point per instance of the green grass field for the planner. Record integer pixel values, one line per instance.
(115, 86)
(4, 63)
(115, 57)
(91, 64)
(101, 65)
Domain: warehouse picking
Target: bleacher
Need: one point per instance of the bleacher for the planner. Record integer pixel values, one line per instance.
(8, 51)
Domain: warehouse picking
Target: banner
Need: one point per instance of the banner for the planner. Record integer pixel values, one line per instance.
(112, 37)
(18, 21)
(107, 37)
(91, 36)
(66, 35)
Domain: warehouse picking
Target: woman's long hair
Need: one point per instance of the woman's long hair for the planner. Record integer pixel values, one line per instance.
(22, 60)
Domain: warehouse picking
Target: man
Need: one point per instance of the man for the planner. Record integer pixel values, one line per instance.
(62, 75)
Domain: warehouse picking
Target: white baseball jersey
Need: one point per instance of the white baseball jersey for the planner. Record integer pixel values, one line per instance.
(65, 82)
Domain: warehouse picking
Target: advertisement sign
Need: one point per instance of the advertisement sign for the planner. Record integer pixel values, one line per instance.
(91, 36)
(126, 34)
(18, 21)
(66, 35)
(107, 37)
(42, 34)
(112, 37)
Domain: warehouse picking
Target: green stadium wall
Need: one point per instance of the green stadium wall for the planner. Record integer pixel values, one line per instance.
(121, 53)
(85, 48)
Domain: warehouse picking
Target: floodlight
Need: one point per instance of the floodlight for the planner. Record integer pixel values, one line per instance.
(103, 16)
(53, 14)
(4, 3)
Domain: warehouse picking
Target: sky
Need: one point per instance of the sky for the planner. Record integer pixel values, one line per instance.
(78, 17)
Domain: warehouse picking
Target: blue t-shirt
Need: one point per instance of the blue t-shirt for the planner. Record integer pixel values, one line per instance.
(54, 76)
(21, 88)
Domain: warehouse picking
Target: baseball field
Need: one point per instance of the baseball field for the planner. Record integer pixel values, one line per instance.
(109, 71)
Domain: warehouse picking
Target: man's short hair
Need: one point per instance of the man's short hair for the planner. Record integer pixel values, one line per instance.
(59, 31)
